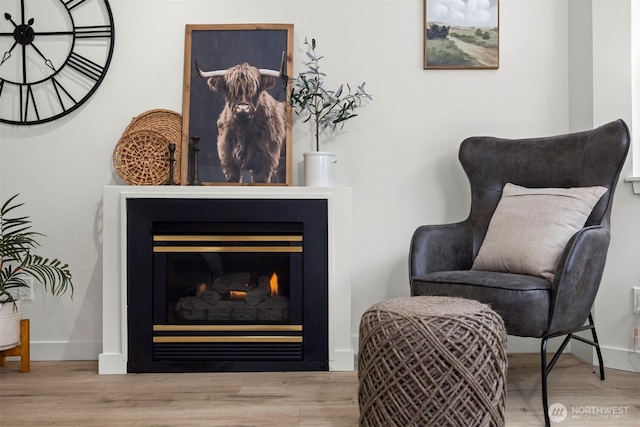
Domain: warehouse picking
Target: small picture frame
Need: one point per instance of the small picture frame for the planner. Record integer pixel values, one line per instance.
(236, 126)
(461, 35)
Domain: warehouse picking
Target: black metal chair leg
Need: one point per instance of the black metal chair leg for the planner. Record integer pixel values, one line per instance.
(545, 369)
(597, 346)
(544, 372)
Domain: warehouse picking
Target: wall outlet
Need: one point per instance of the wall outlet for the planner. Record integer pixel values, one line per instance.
(26, 294)
(636, 300)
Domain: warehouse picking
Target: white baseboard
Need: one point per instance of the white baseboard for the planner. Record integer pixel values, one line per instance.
(620, 358)
(63, 350)
(614, 358)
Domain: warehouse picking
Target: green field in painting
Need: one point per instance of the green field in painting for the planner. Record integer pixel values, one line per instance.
(478, 36)
(445, 52)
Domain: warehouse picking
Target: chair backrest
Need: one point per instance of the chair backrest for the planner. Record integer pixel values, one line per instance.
(581, 159)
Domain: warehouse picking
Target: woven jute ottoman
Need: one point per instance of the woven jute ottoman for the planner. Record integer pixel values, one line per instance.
(432, 361)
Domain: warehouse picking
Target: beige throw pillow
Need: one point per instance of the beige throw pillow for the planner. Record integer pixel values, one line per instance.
(531, 226)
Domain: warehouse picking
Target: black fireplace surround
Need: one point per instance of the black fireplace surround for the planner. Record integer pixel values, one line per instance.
(171, 327)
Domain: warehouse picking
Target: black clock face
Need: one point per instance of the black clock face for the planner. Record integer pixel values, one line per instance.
(53, 56)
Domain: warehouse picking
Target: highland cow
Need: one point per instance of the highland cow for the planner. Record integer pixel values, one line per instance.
(252, 125)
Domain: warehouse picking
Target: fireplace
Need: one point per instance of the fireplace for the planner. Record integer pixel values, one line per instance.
(226, 279)
(227, 284)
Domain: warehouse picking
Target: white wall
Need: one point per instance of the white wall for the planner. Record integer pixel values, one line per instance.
(399, 155)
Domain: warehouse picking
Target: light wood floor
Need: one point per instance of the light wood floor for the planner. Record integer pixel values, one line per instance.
(72, 394)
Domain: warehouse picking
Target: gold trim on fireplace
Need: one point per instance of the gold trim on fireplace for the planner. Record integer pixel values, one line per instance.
(190, 328)
(163, 238)
(256, 339)
(164, 249)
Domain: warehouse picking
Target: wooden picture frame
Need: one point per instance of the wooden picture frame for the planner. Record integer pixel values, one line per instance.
(461, 35)
(236, 142)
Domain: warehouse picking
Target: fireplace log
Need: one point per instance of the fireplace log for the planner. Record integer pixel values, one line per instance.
(258, 294)
(211, 297)
(266, 309)
(233, 282)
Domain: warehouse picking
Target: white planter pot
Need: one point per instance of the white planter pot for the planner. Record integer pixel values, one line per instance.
(10, 317)
(319, 169)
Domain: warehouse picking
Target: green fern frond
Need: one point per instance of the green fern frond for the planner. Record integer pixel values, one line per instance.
(17, 262)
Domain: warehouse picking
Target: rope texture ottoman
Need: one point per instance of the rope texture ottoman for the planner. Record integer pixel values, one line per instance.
(432, 361)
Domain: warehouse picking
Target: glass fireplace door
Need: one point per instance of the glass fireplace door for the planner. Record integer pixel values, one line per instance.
(230, 295)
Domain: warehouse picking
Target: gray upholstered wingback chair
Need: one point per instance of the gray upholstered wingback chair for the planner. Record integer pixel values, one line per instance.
(441, 256)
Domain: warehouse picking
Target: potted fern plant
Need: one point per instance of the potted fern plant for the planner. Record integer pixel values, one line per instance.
(17, 262)
(327, 109)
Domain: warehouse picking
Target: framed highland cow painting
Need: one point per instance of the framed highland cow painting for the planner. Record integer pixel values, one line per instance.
(236, 126)
(461, 34)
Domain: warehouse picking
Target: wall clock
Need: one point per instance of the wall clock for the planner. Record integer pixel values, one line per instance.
(53, 56)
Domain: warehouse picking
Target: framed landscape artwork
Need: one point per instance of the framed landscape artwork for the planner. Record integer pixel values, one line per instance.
(236, 126)
(461, 34)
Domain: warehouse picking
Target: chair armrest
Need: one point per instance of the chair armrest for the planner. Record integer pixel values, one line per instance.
(577, 278)
(440, 248)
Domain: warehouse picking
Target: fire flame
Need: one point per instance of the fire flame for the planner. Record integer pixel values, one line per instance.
(237, 294)
(201, 289)
(273, 285)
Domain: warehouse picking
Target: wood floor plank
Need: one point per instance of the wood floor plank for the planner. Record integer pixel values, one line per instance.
(73, 394)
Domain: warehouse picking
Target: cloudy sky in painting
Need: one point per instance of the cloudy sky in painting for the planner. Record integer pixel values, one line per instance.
(469, 13)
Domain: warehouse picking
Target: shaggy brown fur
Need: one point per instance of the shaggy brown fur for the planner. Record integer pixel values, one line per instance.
(251, 127)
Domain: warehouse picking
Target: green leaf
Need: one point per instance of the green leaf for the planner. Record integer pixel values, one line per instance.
(17, 262)
(310, 100)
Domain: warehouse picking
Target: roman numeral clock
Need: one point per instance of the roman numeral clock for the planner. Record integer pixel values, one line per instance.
(53, 56)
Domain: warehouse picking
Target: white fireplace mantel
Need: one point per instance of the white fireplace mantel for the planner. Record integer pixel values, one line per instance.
(113, 359)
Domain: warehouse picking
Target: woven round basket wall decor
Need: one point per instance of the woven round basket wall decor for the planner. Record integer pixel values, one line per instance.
(149, 131)
(142, 158)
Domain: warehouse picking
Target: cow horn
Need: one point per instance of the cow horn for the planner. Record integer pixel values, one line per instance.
(207, 74)
(265, 72)
(273, 73)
